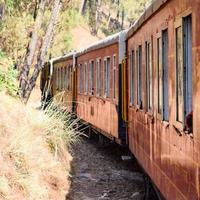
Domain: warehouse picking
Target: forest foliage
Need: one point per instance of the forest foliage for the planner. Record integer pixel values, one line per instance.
(17, 18)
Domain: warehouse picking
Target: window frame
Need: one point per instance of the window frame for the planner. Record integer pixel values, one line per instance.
(179, 22)
(132, 77)
(85, 78)
(107, 77)
(80, 78)
(149, 75)
(92, 78)
(159, 85)
(139, 77)
(114, 68)
(98, 77)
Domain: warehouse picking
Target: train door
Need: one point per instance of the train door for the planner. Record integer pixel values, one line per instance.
(123, 100)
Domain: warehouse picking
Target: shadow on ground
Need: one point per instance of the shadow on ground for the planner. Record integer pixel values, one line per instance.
(99, 173)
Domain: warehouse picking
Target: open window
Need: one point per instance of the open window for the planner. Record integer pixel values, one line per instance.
(139, 76)
(85, 79)
(98, 75)
(162, 75)
(149, 76)
(92, 77)
(183, 39)
(106, 76)
(114, 76)
(80, 78)
(132, 67)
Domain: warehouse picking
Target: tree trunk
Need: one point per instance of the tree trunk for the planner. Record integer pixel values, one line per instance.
(118, 2)
(97, 16)
(83, 7)
(44, 49)
(2, 10)
(31, 50)
(122, 25)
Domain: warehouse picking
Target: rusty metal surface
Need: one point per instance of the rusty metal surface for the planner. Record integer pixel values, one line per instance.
(99, 111)
(171, 160)
(63, 97)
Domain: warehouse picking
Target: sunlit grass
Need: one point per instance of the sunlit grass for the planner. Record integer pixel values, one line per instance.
(34, 158)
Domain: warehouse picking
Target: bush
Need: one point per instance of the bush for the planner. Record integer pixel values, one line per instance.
(8, 81)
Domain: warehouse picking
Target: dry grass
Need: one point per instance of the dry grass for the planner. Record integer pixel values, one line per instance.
(34, 160)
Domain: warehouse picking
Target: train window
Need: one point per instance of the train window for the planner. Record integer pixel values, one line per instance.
(114, 76)
(132, 62)
(56, 77)
(106, 77)
(149, 76)
(179, 75)
(85, 78)
(80, 79)
(92, 77)
(184, 69)
(60, 78)
(139, 76)
(165, 75)
(187, 62)
(160, 74)
(63, 78)
(105, 65)
(98, 75)
(69, 78)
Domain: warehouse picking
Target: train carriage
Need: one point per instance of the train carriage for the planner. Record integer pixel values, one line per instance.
(140, 88)
(62, 77)
(163, 66)
(99, 95)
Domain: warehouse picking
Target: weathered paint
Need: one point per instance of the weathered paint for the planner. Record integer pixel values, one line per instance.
(172, 161)
(63, 96)
(100, 111)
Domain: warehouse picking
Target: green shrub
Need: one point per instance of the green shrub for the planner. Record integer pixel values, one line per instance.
(8, 81)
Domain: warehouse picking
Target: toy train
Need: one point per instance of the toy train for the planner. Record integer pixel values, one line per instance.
(140, 88)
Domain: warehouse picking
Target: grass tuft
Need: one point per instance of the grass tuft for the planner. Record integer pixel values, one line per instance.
(34, 157)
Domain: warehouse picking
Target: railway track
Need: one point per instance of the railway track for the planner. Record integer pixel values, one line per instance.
(99, 173)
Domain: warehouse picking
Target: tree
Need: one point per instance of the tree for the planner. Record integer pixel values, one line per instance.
(2, 8)
(26, 90)
(31, 50)
(83, 7)
(97, 23)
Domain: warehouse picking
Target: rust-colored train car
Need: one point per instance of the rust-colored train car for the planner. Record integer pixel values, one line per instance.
(61, 79)
(99, 95)
(163, 50)
(142, 91)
